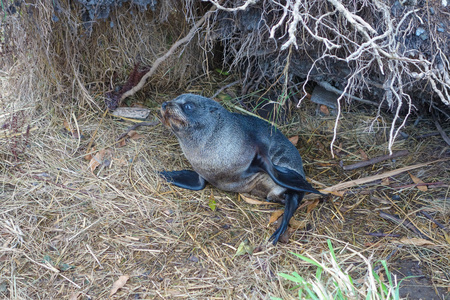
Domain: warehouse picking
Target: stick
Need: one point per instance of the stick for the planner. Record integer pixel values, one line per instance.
(172, 49)
(375, 160)
(427, 184)
(153, 123)
(405, 223)
(379, 234)
(441, 131)
(361, 181)
(225, 87)
(424, 213)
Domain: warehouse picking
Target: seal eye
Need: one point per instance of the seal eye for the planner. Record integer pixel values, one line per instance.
(188, 106)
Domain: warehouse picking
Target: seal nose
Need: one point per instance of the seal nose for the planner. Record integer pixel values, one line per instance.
(164, 105)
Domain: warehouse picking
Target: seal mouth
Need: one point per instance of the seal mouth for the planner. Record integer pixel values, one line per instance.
(172, 116)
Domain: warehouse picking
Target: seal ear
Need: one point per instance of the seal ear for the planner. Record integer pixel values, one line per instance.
(185, 179)
(282, 176)
(213, 109)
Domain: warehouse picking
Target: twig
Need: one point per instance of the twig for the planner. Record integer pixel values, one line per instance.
(84, 229)
(225, 87)
(419, 184)
(380, 234)
(375, 160)
(426, 215)
(360, 181)
(207, 253)
(332, 89)
(405, 223)
(393, 252)
(441, 131)
(93, 255)
(172, 49)
(53, 269)
(153, 123)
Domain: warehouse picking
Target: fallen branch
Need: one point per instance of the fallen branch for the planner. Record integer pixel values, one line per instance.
(375, 160)
(172, 49)
(346, 185)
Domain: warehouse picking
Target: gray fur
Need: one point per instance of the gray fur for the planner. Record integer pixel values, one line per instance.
(221, 145)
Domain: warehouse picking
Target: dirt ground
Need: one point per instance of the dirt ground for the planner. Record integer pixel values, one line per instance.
(71, 225)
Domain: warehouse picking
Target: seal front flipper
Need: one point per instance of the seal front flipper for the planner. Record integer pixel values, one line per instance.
(186, 179)
(292, 200)
(285, 177)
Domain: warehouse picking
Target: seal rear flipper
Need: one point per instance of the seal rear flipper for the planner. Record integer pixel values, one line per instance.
(285, 177)
(186, 179)
(292, 200)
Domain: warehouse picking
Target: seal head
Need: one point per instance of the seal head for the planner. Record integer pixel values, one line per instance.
(235, 153)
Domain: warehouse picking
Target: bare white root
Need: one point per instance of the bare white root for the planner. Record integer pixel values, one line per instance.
(233, 9)
(350, 38)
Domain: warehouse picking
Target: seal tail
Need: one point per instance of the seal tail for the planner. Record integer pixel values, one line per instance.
(293, 199)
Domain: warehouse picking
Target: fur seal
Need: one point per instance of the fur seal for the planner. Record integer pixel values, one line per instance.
(236, 153)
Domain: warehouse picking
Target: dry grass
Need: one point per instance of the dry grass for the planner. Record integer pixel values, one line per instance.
(67, 230)
(69, 233)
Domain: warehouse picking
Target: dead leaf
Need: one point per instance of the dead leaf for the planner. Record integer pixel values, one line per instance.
(335, 193)
(320, 146)
(139, 104)
(324, 110)
(122, 143)
(312, 206)
(120, 161)
(257, 202)
(212, 202)
(385, 181)
(294, 140)
(134, 135)
(417, 180)
(297, 224)
(363, 154)
(89, 155)
(417, 242)
(244, 248)
(72, 131)
(118, 284)
(275, 215)
(97, 160)
(67, 126)
(74, 295)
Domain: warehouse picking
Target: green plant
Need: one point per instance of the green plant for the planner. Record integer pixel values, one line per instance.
(332, 282)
